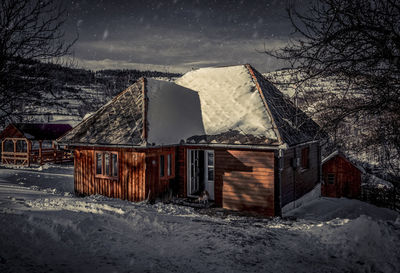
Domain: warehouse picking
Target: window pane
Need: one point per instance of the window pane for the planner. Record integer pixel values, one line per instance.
(162, 166)
(114, 159)
(210, 173)
(98, 163)
(331, 178)
(169, 170)
(9, 146)
(210, 159)
(21, 146)
(107, 163)
(304, 158)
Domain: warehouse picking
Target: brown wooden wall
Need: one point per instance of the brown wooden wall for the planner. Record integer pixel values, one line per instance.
(247, 180)
(295, 182)
(244, 179)
(130, 184)
(156, 185)
(347, 178)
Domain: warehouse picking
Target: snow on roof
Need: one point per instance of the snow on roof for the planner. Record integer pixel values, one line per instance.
(344, 156)
(227, 105)
(173, 113)
(230, 102)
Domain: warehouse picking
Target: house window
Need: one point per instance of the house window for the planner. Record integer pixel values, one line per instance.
(331, 178)
(162, 167)
(107, 165)
(114, 164)
(167, 165)
(99, 163)
(210, 166)
(305, 162)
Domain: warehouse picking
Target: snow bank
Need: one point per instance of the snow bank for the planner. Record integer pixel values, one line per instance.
(325, 209)
(229, 101)
(174, 113)
(311, 195)
(44, 231)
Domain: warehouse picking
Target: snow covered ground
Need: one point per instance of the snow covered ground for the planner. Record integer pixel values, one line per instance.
(44, 227)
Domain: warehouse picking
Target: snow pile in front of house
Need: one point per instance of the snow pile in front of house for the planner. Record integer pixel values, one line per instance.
(230, 101)
(325, 209)
(174, 113)
(45, 230)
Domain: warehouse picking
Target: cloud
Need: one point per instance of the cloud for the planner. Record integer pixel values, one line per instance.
(121, 64)
(178, 49)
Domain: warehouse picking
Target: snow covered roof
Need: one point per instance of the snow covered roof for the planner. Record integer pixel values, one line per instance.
(326, 158)
(39, 131)
(240, 105)
(224, 105)
(119, 122)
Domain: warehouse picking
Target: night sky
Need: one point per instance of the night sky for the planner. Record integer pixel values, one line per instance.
(177, 35)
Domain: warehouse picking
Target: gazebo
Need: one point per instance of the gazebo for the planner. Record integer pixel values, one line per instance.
(26, 143)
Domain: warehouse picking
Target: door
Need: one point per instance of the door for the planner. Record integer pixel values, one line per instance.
(194, 172)
(209, 172)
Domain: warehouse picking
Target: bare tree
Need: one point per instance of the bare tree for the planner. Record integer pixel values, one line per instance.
(356, 42)
(29, 30)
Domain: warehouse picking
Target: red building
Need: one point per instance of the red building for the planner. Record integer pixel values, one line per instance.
(224, 130)
(342, 178)
(26, 143)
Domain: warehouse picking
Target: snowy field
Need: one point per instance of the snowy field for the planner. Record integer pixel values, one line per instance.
(45, 228)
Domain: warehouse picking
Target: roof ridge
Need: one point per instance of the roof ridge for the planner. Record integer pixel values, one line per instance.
(254, 77)
(145, 102)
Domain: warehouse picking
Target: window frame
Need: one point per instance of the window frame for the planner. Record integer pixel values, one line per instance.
(328, 175)
(103, 165)
(169, 157)
(305, 158)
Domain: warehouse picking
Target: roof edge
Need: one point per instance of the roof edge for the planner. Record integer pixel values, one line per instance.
(275, 128)
(215, 145)
(338, 152)
(145, 102)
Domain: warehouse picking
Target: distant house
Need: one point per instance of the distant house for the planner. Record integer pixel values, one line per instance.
(26, 143)
(341, 177)
(225, 130)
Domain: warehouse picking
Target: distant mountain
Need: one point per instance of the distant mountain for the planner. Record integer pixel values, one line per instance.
(66, 95)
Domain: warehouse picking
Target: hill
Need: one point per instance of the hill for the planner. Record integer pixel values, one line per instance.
(66, 94)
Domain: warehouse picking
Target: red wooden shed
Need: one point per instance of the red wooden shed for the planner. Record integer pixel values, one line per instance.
(342, 178)
(225, 130)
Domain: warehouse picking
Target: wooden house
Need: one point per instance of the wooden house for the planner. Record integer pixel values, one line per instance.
(26, 143)
(341, 177)
(225, 130)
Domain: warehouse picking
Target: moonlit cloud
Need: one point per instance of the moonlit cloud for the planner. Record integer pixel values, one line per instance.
(181, 34)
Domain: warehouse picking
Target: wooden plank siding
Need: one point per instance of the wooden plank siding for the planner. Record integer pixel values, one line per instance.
(347, 178)
(159, 187)
(295, 182)
(244, 180)
(130, 183)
